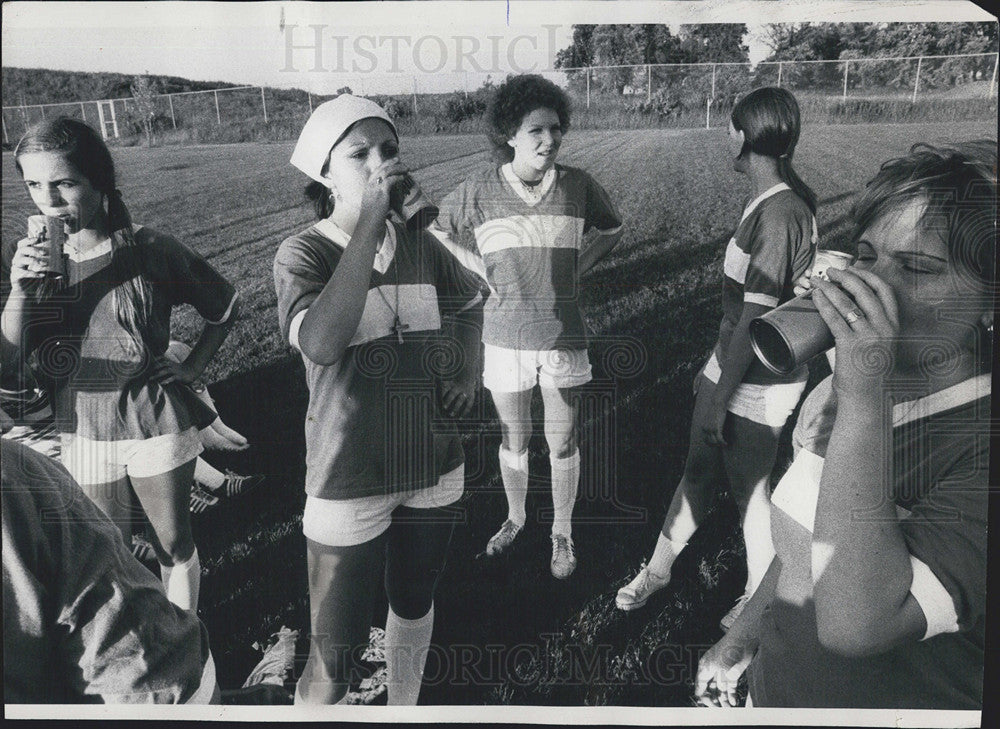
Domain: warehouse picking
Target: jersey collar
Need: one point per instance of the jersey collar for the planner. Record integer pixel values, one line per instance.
(762, 197)
(383, 256)
(517, 186)
(947, 399)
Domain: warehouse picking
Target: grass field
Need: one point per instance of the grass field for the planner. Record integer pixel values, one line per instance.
(508, 632)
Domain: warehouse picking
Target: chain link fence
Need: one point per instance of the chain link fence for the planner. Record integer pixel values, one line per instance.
(925, 88)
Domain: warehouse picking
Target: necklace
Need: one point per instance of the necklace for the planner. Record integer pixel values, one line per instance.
(398, 327)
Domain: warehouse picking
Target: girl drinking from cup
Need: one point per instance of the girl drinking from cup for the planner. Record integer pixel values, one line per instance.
(364, 299)
(741, 406)
(128, 418)
(525, 219)
(876, 597)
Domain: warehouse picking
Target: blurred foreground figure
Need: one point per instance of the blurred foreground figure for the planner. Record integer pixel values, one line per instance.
(83, 621)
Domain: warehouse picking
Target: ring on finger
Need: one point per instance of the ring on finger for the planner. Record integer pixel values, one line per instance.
(853, 315)
(380, 180)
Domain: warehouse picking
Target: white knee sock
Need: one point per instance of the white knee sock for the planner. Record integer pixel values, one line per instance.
(209, 477)
(514, 473)
(406, 645)
(757, 538)
(182, 582)
(664, 554)
(565, 482)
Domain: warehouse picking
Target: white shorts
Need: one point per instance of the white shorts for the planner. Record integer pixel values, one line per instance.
(517, 370)
(349, 522)
(93, 462)
(765, 404)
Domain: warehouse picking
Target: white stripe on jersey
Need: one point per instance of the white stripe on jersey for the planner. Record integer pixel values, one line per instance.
(737, 262)
(529, 231)
(418, 307)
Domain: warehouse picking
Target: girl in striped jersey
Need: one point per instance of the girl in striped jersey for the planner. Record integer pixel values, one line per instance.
(876, 597)
(740, 406)
(365, 300)
(520, 226)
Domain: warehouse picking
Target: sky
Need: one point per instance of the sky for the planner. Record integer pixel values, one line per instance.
(383, 47)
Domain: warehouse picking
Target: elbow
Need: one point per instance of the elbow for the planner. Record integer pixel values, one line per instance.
(320, 354)
(848, 637)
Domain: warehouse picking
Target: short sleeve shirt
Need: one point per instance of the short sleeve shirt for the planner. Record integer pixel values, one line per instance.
(373, 424)
(83, 621)
(98, 383)
(941, 467)
(773, 246)
(529, 248)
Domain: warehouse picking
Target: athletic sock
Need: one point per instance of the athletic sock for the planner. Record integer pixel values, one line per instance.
(207, 476)
(664, 554)
(565, 483)
(406, 646)
(514, 474)
(182, 582)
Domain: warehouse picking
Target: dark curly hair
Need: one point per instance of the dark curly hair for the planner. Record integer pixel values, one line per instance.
(513, 100)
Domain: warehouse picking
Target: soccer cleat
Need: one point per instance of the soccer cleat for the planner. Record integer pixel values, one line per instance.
(734, 612)
(501, 541)
(563, 557)
(236, 484)
(201, 499)
(142, 549)
(635, 594)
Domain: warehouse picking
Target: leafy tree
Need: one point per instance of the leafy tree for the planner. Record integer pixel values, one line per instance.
(142, 110)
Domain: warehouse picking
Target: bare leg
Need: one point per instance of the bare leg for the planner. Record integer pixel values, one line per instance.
(342, 588)
(564, 456)
(749, 459)
(514, 410)
(115, 500)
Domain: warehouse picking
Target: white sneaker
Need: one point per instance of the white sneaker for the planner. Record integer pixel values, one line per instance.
(734, 612)
(635, 594)
(563, 557)
(501, 541)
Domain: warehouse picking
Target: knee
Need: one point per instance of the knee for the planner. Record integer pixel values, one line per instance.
(177, 548)
(560, 439)
(412, 598)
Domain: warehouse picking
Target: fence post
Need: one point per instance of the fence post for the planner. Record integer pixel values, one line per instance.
(5, 140)
(42, 108)
(916, 83)
(415, 111)
(588, 87)
(713, 80)
(993, 83)
(310, 97)
(708, 113)
(83, 112)
(649, 83)
(780, 68)
(218, 116)
(263, 103)
(170, 100)
(847, 66)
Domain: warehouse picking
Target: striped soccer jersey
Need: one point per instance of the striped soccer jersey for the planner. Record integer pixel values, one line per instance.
(529, 243)
(373, 425)
(773, 246)
(940, 486)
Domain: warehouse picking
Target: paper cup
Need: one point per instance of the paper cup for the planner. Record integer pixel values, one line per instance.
(413, 206)
(790, 335)
(53, 232)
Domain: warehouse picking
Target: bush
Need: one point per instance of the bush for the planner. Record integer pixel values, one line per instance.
(666, 103)
(459, 107)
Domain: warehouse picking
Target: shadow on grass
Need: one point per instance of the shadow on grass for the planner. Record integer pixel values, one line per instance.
(506, 630)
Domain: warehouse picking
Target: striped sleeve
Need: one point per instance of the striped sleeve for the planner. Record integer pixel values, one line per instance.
(778, 233)
(945, 533)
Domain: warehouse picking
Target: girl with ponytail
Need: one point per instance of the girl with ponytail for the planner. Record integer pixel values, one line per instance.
(740, 406)
(127, 416)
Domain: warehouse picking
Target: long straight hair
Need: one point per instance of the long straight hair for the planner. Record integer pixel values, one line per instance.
(86, 152)
(770, 122)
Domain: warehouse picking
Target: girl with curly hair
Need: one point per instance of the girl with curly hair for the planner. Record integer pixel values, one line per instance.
(520, 225)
